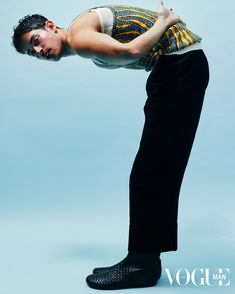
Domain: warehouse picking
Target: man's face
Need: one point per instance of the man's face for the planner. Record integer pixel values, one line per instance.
(44, 43)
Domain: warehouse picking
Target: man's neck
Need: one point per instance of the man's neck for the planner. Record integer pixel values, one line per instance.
(67, 50)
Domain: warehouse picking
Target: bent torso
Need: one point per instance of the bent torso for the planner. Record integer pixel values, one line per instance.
(89, 20)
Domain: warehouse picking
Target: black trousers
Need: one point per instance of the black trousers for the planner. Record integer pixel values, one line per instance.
(175, 88)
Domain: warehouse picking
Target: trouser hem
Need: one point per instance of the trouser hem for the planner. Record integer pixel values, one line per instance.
(153, 240)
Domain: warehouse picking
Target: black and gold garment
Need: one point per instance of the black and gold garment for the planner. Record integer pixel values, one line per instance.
(129, 22)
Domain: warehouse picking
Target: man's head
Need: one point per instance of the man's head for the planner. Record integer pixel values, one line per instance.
(37, 36)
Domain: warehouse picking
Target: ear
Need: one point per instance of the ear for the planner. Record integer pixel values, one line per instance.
(50, 26)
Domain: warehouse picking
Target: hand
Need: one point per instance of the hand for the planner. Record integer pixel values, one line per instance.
(162, 10)
(167, 15)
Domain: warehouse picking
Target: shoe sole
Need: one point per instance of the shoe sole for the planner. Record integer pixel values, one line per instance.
(124, 286)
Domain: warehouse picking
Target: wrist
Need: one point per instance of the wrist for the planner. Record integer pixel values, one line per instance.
(162, 22)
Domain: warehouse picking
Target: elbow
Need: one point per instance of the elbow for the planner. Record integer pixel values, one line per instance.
(134, 51)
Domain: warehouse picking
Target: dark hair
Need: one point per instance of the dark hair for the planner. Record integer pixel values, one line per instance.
(27, 24)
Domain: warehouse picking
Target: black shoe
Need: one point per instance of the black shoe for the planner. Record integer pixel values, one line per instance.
(131, 259)
(121, 276)
(107, 268)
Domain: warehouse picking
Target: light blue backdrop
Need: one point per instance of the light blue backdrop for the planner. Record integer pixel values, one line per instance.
(68, 140)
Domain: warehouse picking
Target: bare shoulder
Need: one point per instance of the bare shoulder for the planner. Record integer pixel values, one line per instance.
(89, 21)
(86, 39)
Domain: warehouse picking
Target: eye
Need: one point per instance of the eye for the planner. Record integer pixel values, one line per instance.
(36, 41)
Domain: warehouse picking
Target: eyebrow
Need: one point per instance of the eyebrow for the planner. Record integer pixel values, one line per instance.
(30, 43)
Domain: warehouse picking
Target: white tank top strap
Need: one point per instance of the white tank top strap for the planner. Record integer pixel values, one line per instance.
(106, 19)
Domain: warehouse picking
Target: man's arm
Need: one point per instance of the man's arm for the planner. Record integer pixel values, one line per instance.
(89, 43)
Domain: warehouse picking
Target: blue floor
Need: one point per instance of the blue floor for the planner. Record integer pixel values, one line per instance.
(53, 251)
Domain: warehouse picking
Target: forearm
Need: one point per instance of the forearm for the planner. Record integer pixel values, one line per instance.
(146, 41)
(127, 53)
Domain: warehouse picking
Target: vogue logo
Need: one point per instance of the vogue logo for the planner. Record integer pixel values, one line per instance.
(200, 277)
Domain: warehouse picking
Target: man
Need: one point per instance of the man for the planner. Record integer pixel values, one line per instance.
(114, 36)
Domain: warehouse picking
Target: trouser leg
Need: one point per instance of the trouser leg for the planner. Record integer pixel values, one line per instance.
(172, 112)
